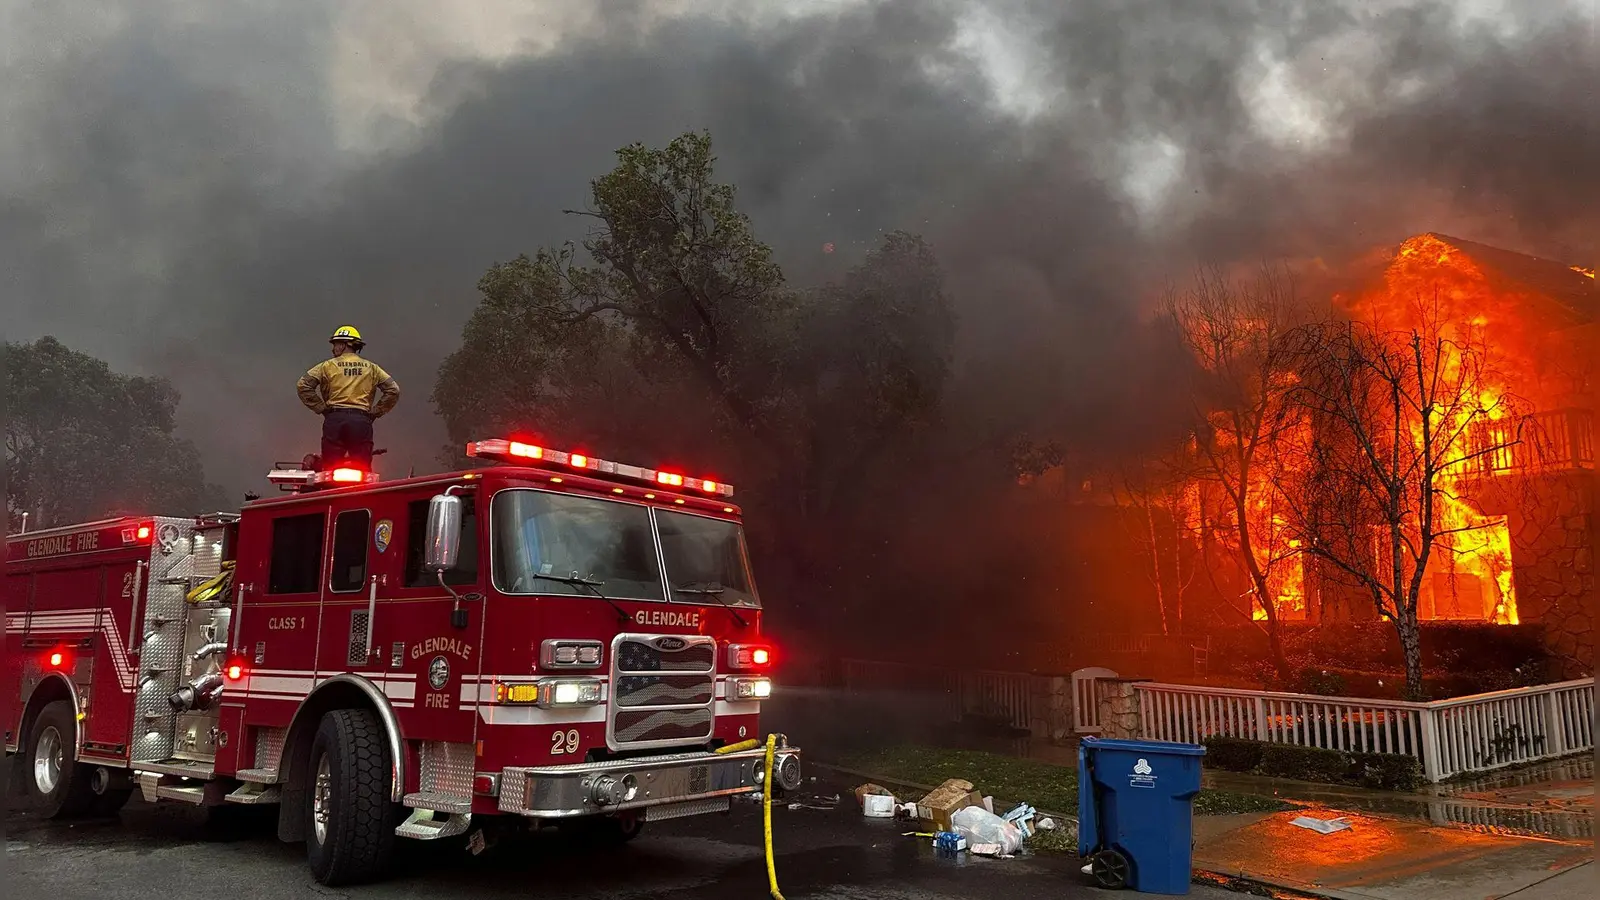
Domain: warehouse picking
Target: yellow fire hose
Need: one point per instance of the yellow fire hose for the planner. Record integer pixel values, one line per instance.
(766, 817)
(766, 803)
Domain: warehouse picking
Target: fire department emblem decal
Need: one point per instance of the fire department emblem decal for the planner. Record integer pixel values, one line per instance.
(439, 672)
(381, 535)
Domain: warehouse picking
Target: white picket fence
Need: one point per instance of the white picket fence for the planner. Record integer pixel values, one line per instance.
(1466, 734)
(1010, 696)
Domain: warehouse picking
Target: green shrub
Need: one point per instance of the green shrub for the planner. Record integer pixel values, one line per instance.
(1233, 754)
(1306, 763)
(1384, 771)
(1322, 682)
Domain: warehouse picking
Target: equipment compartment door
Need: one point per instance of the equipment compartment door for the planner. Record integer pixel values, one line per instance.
(435, 668)
(109, 718)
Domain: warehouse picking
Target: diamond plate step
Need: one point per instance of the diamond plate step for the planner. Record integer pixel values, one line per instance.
(254, 793)
(425, 825)
(437, 802)
(257, 776)
(151, 786)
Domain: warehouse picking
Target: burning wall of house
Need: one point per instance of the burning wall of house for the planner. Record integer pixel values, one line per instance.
(1524, 410)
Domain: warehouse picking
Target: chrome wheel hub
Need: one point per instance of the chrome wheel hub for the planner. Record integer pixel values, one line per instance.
(47, 760)
(322, 800)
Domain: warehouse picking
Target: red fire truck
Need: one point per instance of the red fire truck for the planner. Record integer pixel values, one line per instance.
(549, 638)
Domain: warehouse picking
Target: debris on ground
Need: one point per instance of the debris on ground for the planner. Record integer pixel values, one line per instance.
(1047, 824)
(1060, 839)
(947, 844)
(878, 806)
(813, 801)
(876, 801)
(1022, 817)
(979, 826)
(1321, 826)
(871, 790)
(946, 800)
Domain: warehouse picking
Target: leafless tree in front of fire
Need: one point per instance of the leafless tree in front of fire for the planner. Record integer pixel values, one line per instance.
(1164, 525)
(1399, 422)
(1241, 336)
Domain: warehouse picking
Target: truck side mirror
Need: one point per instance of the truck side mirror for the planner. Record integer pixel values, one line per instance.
(443, 545)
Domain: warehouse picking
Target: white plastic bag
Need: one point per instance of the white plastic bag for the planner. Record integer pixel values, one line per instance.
(979, 826)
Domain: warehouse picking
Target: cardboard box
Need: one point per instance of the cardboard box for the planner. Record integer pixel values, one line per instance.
(944, 801)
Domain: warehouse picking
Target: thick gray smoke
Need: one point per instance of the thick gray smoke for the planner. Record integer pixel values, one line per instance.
(202, 191)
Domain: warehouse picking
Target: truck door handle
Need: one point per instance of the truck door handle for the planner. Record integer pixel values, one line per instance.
(372, 610)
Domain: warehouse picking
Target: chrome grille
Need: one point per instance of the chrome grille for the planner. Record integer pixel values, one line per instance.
(662, 688)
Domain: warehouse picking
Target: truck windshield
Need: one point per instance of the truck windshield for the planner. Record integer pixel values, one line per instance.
(541, 537)
(705, 557)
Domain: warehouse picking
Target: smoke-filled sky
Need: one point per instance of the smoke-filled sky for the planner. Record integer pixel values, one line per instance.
(204, 190)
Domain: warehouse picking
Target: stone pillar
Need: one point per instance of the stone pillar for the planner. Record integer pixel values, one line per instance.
(1059, 709)
(1118, 705)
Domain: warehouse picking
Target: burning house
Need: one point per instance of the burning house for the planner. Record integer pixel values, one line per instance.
(1270, 508)
(1517, 509)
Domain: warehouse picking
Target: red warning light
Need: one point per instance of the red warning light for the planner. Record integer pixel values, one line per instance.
(760, 656)
(527, 451)
(708, 486)
(669, 478)
(56, 659)
(235, 672)
(579, 461)
(347, 475)
(144, 532)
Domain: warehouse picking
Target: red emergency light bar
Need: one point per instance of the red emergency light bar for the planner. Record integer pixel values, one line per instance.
(522, 454)
(300, 479)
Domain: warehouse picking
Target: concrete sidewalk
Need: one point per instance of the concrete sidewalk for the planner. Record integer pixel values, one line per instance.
(1391, 859)
(1554, 799)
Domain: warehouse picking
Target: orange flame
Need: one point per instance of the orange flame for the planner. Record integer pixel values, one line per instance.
(1470, 577)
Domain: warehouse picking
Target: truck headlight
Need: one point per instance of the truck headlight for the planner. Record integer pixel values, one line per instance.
(569, 691)
(552, 692)
(569, 654)
(749, 688)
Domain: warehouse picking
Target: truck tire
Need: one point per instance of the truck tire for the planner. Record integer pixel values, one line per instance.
(350, 819)
(57, 785)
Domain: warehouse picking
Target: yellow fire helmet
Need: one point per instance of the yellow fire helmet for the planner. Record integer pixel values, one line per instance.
(348, 333)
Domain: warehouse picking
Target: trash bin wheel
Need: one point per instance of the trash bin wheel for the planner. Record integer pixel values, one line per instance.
(1110, 869)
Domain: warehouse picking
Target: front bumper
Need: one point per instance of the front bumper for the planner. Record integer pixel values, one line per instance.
(668, 786)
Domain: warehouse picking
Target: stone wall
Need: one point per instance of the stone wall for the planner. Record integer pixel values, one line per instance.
(1555, 536)
(1118, 705)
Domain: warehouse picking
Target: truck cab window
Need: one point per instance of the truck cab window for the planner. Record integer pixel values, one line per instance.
(296, 554)
(466, 570)
(705, 556)
(559, 544)
(349, 551)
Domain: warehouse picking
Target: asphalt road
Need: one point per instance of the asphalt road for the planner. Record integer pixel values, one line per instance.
(170, 851)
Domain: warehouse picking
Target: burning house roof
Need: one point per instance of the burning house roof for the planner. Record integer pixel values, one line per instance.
(1572, 287)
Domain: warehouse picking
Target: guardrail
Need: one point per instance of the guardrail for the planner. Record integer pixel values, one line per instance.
(1450, 737)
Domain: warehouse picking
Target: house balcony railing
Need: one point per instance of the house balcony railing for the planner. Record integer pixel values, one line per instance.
(1560, 440)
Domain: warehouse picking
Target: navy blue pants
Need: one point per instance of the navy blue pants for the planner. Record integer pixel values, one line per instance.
(347, 439)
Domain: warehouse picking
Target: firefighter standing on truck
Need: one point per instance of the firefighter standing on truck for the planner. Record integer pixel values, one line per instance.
(349, 393)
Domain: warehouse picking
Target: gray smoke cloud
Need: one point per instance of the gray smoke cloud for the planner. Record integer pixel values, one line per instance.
(202, 191)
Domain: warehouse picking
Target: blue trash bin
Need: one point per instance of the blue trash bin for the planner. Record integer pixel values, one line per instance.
(1134, 812)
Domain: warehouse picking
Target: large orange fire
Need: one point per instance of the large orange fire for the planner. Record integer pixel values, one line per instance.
(1469, 577)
